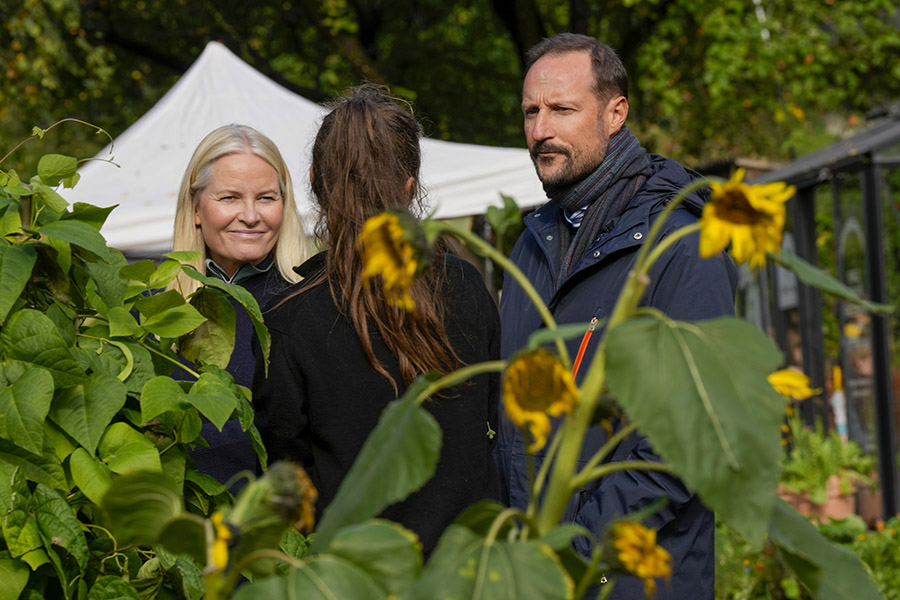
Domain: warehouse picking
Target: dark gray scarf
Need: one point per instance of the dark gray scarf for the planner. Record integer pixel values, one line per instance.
(592, 203)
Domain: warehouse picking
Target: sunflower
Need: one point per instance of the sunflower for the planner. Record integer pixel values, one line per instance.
(792, 383)
(386, 250)
(536, 384)
(637, 553)
(750, 217)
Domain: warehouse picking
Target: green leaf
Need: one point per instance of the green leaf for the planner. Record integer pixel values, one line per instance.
(387, 552)
(16, 263)
(398, 457)
(246, 300)
(824, 282)
(185, 534)
(43, 467)
(90, 475)
(21, 532)
(95, 216)
(829, 571)
(161, 394)
(59, 524)
(465, 566)
(214, 397)
(6, 491)
(52, 168)
(320, 578)
(124, 450)
(109, 286)
(708, 409)
(213, 341)
(168, 314)
(13, 578)
(84, 411)
(51, 198)
(139, 505)
(164, 274)
(30, 336)
(24, 404)
(63, 259)
(77, 233)
(542, 337)
(110, 587)
(63, 445)
(184, 256)
(140, 270)
(122, 323)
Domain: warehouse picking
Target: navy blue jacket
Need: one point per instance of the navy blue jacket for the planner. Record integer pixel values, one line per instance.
(684, 286)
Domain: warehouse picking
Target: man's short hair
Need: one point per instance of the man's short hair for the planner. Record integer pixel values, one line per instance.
(610, 78)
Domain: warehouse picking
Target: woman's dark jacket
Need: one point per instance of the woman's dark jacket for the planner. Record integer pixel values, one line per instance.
(322, 397)
(230, 450)
(684, 286)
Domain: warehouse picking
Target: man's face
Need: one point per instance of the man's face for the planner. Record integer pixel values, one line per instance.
(566, 126)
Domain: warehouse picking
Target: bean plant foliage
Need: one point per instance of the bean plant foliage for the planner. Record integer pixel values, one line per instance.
(88, 346)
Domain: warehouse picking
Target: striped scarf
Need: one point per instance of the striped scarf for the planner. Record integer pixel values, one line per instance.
(591, 204)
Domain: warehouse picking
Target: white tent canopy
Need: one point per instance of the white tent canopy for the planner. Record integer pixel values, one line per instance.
(219, 88)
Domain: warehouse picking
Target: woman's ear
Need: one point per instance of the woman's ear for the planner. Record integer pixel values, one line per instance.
(409, 188)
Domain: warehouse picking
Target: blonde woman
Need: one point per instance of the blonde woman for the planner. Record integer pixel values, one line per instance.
(236, 207)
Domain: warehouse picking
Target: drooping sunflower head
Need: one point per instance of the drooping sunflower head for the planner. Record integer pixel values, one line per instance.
(749, 217)
(537, 384)
(634, 550)
(392, 246)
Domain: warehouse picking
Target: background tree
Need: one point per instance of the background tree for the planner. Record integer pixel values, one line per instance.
(709, 79)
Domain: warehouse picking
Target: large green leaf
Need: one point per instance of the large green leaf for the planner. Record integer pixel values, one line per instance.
(245, 299)
(110, 587)
(16, 263)
(164, 274)
(6, 475)
(124, 450)
(214, 396)
(95, 216)
(824, 282)
(387, 552)
(398, 457)
(53, 168)
(829, 571)
(465, 566)
(90, 475)
(24, 402)
(83, 411)
(59, 524)
(161, 394)
(110, 288)
(30, 336)
(78, 233)
(122, 323)
(44, 467)
(185, 534)
(168, 314)
(320, 578)
(49, 197)
(13, 578)
(699, 392)
(139, 505)
(213, 341)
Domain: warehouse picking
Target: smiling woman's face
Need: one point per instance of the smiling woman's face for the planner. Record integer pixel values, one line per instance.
(240, 211)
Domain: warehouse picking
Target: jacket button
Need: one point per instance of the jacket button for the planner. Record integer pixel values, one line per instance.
(549, 238)
(596, 253)
(638, 235)
(536, 215)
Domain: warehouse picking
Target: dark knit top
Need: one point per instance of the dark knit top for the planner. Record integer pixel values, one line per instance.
(322, 397)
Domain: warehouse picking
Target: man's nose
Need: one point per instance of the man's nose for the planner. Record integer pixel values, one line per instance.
(541, 128)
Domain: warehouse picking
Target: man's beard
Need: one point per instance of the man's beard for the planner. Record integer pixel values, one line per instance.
(572, 169)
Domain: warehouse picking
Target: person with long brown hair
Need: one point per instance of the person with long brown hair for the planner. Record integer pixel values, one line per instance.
(341, 351)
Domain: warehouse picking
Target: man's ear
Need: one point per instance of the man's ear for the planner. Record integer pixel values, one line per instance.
(615, 113)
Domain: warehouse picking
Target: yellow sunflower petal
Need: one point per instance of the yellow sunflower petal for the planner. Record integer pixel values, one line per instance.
(792, 383)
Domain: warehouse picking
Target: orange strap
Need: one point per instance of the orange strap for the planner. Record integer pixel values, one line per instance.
(584, 342)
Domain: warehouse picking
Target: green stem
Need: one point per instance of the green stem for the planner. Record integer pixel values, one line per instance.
(608, 447)
(667, 242)
(588, 576)
(60, 122)
(542, 474)
(460, 375)
(489, 541)
(586, 477)
(480, 246)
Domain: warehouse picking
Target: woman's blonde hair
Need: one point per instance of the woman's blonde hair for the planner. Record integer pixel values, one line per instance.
(291, 247)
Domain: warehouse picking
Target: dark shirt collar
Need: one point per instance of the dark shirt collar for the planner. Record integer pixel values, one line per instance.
(245, 271)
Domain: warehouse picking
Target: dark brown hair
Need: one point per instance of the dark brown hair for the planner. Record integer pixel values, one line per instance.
(364, 155)
(610, 77)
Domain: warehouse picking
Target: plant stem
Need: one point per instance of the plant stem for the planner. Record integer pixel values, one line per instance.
(608, 447)
(667, 242)
(460, 375)
(584, 478)
(479, 246)
(585, 580)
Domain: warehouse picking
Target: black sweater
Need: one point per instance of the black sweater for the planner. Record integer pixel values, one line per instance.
(322, 397)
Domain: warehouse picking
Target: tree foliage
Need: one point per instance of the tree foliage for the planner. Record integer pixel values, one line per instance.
(708, 79)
